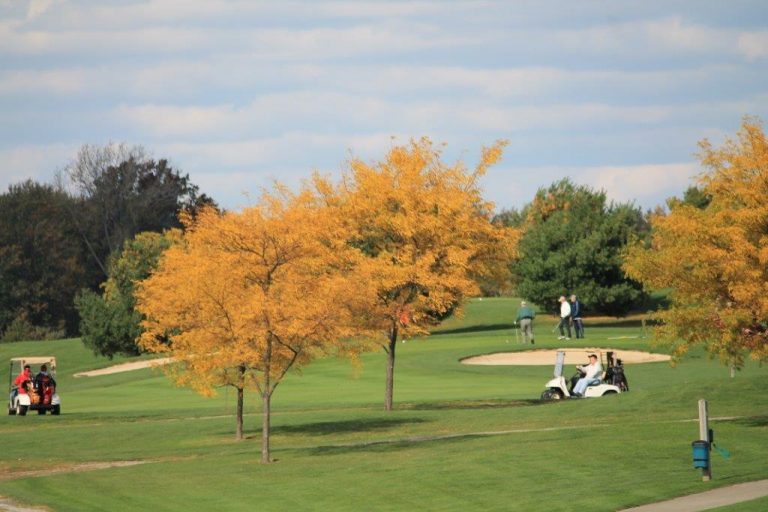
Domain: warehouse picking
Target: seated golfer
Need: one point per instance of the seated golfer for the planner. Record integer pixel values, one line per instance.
(592, 372)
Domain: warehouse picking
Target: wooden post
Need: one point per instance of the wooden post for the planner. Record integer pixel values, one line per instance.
(706, 473)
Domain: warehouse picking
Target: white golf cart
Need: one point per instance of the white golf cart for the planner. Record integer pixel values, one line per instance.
(39, 392)
(612, 381)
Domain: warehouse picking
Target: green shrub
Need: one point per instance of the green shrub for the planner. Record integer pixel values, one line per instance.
(21, 329)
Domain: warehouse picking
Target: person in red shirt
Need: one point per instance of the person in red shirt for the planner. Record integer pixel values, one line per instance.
(20, 384)
(21, 380)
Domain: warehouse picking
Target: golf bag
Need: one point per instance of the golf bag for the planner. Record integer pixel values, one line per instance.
(615, 373)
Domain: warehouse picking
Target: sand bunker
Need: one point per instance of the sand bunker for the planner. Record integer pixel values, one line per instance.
(125, 367)
(572, 356)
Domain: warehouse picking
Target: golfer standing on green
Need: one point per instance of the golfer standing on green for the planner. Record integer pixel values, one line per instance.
(525, 316)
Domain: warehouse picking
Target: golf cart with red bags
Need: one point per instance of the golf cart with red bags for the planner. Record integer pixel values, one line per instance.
(36, 392)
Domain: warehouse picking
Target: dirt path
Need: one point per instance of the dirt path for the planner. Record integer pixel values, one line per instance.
(73, 468)
(8, 505)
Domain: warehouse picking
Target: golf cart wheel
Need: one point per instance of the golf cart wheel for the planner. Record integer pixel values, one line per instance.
(56, 410)
(551, 394)
(21, 410)
(11, 411)
(609, 392)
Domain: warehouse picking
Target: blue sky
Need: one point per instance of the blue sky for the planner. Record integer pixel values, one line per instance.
(611, 94)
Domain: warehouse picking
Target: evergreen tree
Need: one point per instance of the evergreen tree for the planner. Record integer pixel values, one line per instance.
(572, 243)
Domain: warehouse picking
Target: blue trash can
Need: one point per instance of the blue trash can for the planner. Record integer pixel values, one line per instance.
(700, 454)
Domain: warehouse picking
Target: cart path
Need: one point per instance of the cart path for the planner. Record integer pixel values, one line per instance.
(709, 499)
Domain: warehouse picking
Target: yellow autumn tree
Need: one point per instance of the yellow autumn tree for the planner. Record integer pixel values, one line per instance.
(715, 257)
(248, 296)
(426, 234)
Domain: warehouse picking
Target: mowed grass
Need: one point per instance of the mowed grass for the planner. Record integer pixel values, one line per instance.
(461, 437)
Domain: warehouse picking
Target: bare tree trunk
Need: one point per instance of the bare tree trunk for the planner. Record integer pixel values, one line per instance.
(266, 398)
(239, 414)
(389, 392)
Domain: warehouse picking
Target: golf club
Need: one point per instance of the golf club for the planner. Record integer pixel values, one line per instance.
(517, 336)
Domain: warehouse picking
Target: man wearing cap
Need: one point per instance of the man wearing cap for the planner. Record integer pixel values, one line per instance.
(525, 316)
(565, 318)
(592, 372)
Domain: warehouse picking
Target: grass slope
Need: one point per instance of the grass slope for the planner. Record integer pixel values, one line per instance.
(460, 437)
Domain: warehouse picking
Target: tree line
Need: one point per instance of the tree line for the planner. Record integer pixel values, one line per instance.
(57, 241)
(61, 246)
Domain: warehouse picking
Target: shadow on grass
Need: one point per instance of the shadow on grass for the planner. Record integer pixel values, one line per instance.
(618, 323)
(474, 328)
(753, 421)
(613, 323)
(389, 445)
(338, 427)
(466, 404)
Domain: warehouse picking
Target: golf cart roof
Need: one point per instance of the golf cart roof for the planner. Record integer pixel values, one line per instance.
(34, 360)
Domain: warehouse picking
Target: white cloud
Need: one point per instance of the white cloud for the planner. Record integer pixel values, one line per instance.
(35, 162)
(73, 15)
(264, 44)
(234, 172)
(238, 74)
(640, 182)
(646, 185)
(39, 7)
(333, 30)
(251, 154)
(52, 81)
(328, 112)
(676, 33)
(267, 89)
(659, 39)
(754, 45)
(273, 112)
(169, 120)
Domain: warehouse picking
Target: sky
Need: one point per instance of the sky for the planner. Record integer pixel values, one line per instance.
(614, 95)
